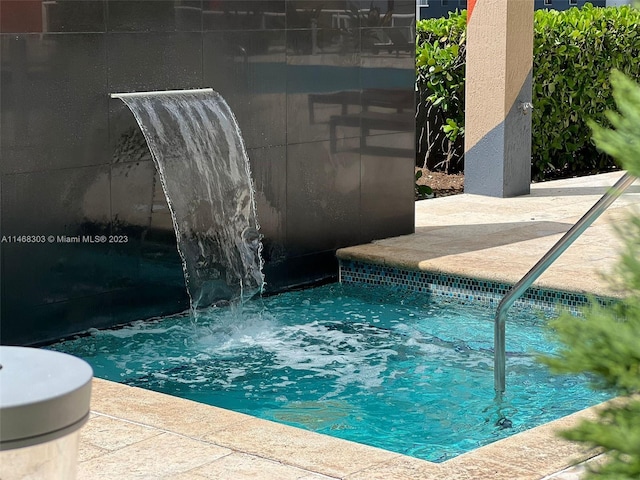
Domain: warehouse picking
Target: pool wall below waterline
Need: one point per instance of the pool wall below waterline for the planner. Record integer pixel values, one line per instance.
(323, 96)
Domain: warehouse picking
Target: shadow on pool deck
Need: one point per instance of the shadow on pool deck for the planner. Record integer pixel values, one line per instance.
(453, 239)
(134, 433)
(501, 239)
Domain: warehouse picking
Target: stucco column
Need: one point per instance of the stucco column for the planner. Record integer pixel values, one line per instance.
(498, 97)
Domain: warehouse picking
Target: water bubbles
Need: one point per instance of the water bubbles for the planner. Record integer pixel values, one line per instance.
(380, 373)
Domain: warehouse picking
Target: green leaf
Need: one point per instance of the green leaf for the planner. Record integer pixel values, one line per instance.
(606, 343)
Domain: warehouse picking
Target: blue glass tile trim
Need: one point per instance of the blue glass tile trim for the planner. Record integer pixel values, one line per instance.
(484, 292)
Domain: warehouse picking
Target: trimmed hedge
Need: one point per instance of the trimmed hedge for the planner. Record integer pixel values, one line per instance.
(574, 51)
(440, 64)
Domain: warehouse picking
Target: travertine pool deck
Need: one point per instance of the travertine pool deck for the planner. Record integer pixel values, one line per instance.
(501, 239)
(138, 434)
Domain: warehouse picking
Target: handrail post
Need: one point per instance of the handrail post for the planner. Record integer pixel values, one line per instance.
(499, 352)
(499, 349)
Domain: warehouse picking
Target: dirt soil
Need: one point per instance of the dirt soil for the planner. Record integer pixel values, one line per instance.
(442, 184)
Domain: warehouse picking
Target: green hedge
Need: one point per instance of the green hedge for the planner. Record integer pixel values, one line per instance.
(440, 63)
(574, 51)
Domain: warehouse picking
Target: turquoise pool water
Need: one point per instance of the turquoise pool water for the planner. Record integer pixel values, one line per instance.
(394, 370)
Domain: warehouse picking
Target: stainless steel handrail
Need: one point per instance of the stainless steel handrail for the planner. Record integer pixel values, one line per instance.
(519, 288)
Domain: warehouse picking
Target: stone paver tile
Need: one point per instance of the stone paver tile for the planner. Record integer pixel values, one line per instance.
(574, 473)
(301, 448)
(240, 466)
(159, 410)
(483, 468)
(577, 472)
(186, 476)
(538, 451)
(153, 458)
(400, 468)
(317, 476)
(87, 451)
(112, 434)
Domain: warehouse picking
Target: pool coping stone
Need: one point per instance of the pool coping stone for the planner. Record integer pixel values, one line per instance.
(169, 428)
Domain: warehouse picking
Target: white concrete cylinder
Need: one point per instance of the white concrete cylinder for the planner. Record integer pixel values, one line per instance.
(54, 459)
(44, 400)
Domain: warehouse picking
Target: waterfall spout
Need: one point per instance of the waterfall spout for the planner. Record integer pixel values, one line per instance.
(159, 92)
(199, 153)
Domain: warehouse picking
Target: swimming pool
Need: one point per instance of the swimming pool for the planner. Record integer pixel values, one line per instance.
(391, 369)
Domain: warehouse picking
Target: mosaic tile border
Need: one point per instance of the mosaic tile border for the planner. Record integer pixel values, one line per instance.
(483, 292)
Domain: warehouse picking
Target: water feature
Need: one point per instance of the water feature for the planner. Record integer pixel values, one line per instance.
(385, 368)
(198, 150)
(392, 369)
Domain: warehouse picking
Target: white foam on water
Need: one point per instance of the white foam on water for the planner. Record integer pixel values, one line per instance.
(128, 332)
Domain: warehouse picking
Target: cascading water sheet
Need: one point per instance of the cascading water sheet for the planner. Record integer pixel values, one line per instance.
(204, 169)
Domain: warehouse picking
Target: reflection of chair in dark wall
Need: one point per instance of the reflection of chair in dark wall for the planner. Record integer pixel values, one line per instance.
(388, 98)
(300, 38)
(397, 41)
(397, 34)
(345, 98)
(368, 121)
(399, 100)
(402, 120)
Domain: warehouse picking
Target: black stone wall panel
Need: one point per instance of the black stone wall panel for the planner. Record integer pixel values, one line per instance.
(320, 90)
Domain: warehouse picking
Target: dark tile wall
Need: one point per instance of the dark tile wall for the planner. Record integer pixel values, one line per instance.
(323, 93)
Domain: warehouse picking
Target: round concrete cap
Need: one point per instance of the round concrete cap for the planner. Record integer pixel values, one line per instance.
(44, 395)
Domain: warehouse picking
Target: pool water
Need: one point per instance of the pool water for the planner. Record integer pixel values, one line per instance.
(400, 371)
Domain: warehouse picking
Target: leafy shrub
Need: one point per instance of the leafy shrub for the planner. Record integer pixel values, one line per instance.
(606, 343)
(573, 51)
(421, 191)
(440, 63)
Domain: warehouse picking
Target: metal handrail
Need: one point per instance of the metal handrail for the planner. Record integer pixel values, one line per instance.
(519, 288)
